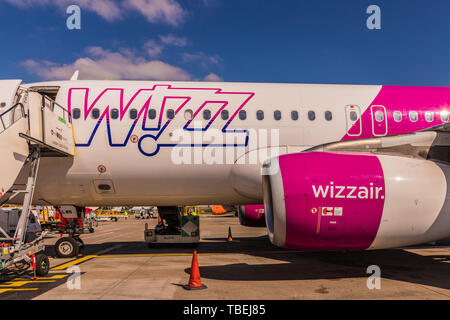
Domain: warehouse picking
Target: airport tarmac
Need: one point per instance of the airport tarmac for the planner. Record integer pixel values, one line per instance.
(117, 264)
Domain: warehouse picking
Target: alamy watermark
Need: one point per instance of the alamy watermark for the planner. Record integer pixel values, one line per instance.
(374, 20)
(213, 146)
(74, 280)
(73, 22)
(374, 280)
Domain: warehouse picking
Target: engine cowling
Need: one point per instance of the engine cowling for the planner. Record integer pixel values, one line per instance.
(331, 201)
(252, 215)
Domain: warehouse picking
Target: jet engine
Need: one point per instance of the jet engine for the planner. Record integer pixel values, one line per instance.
(252, 215)
(355, 201)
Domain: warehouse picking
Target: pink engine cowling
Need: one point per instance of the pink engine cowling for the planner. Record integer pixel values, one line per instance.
(252, 215)
(331, 201)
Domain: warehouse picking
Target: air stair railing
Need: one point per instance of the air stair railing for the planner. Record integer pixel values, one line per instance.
(55, 107)
(6, 122)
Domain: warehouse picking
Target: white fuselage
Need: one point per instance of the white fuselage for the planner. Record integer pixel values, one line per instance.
(137, 162)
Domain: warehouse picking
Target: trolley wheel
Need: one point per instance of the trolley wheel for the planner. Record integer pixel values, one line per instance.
(42, 264)
(80, 246)
(67, 247)
(78, 239)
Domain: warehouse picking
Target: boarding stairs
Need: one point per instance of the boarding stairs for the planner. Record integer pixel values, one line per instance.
(32, 126)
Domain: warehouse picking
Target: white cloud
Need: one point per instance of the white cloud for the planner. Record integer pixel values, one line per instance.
(202, 59)
(107, 9)
(170, 39)
(100, 63)
(213, 78)
(155, 11)
(153, 48)
(168, 11)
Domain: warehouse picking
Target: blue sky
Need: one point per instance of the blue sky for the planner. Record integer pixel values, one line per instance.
(232, 40)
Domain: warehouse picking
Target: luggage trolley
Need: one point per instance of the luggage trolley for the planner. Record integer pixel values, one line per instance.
(186, 230)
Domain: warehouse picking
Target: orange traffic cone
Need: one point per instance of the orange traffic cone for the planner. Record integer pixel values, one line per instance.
(195, 283)
(230, 238)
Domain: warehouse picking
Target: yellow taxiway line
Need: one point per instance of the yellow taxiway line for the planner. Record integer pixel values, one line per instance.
(144, 255)
(92, 256)
(21, 283)
(73, 262)
(10, 289)
(187, 254)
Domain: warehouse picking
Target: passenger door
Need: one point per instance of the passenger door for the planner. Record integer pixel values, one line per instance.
(379, 120)
(352, 116)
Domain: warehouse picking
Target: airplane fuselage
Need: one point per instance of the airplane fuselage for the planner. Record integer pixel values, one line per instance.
(172, 143)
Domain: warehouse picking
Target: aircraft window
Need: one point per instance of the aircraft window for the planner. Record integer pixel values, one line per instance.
(206, 114)
(397, 116)
(152, 114)
(444, 116)
(353, 116)
(294, 115)
(260, 115)
(76, 113)
(224, 114)
(188, 114)
(413, 116)
(114, 113)
(170, 113)
(311, 115)
(133, 113)
(429, 116)
(242, 115)
(328, 115)
(95, 113)
(277, 115)
(379, 116)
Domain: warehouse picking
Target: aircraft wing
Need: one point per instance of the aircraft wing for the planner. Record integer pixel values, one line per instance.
(429, 144)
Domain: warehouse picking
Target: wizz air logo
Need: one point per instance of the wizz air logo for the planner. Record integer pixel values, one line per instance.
(149, 116)
(332, 191)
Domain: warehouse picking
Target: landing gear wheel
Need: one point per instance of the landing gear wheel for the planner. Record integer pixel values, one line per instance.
(67, 247)
(42, 264)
